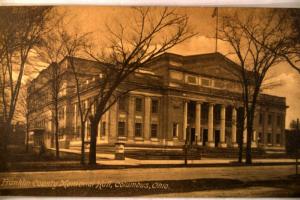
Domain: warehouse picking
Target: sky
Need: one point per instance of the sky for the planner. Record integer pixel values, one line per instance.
(94, 19)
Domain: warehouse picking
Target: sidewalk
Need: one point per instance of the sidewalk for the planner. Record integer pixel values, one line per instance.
(109, 160)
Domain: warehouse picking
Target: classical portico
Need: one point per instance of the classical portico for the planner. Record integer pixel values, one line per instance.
(208, 124)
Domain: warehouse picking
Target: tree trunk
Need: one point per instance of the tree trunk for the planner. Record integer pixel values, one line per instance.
(3, 151)
(248, 148)
(240, 138)
(56, 140)
(27, 138)
(82, 145)
(249, 138)
(93, 143)
(240, 143)
(27, 133)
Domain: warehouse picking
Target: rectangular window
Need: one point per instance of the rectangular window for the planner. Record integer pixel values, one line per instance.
(121, 129)
(191, 79)
(205, 82)
(138, 129)
(277, 138)
(153, 130)
(218, 83)
(176, 75)
(154, 106)
(269, 139)
(103, 129)
(175, 129)
(269, 119)
(260, 137)
(138, 104)
(122, 104)
(278, 120)
(261, 118)
(61, 113)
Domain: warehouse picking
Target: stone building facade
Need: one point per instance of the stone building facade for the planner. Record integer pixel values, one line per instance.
(195, 98)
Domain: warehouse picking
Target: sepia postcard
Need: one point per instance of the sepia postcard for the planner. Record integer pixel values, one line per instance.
(149, 101)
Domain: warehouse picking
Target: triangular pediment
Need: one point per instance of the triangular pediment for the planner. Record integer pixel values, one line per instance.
(213, 65)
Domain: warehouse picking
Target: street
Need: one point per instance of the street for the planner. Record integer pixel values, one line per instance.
(202, 180)
(247, 173)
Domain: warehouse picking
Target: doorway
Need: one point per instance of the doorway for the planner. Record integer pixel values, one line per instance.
(205, 137)
(217, 137)
(193, 136)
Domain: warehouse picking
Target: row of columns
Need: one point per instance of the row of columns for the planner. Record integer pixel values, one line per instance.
(210, 141)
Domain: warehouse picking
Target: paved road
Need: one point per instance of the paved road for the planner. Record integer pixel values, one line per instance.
(69, 178)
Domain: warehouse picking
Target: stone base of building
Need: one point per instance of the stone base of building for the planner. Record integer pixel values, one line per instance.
(254, 145)
(210, 144)
(235, 145)
(222, 145)
(200, 143)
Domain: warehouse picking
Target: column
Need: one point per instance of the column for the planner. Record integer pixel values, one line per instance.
(184, 126)
(106, 125)
(65, 117)
(233, 127)
(86, 130)
(99, 130)
(75, 119)
(222, 127)
(130, 119)
(113, 122)
(254, 139)
(198, 123)
(245, 129)
(147, 118)
(210, 142)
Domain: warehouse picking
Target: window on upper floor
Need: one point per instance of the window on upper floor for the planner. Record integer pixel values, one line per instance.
(205, 82)
(269, 119)
(138, 104)
(218, 84)
(176, 75)
(122, 103)
(279, 120)
(192, 79)
(154, 106)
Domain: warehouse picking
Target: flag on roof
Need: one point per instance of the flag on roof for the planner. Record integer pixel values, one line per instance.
(215, 13)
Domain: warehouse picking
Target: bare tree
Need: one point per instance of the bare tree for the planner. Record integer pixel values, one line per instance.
(20, 32)
(73, 46)
(294, 125)
(248, 37)
(22, 112)
(52, 51)
(150, 33)
(292, 53)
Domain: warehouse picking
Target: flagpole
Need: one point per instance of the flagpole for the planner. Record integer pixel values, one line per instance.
(217, 21)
